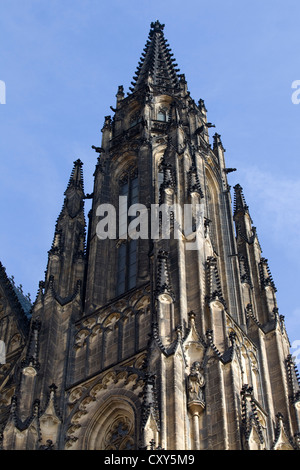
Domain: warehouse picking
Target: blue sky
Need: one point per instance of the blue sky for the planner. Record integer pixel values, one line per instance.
(62, 62)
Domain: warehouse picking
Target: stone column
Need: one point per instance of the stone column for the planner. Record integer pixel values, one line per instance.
(196, 402)
(195, 408)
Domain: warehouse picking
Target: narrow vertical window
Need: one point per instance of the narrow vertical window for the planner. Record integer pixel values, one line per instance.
(160, 179)
(121, 269)
(162, 115)
(127, 251)
(134, 191)
(124, 189)
(211, 219)
(132, 252)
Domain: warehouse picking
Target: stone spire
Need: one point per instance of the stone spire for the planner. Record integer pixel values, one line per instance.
(67, 254)
(242, 218)
(240, 206)
(157, 65)
(74, 193)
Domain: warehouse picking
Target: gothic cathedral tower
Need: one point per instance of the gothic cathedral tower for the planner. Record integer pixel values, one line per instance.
(148, 332)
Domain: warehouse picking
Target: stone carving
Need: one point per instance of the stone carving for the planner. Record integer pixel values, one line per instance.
(196, 383)
(48, 446)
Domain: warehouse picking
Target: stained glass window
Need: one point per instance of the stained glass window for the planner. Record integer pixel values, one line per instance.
(120, 435)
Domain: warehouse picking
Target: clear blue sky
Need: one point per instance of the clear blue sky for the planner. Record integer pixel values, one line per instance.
(62, 62)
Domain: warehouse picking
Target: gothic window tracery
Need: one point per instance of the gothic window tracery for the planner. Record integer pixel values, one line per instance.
(119, 435)
(113, 426)
(14, 343)
(162, 115)
(247, 364)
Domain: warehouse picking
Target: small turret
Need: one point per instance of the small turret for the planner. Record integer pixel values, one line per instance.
(67, 254)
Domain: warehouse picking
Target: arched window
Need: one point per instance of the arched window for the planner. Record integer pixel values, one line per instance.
(162, 115)
(112, 427)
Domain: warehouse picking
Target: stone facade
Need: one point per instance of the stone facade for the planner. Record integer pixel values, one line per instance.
(172, 343)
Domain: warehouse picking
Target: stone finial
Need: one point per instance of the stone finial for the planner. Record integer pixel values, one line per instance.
(157, 27)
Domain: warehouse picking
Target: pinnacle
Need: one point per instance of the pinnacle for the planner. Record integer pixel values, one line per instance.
(74, 194)
(239, 200)
(76, 178)
(156, 27)
(157, 65)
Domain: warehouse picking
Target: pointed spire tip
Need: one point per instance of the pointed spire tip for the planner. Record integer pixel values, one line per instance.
(78, 162)
(156, 26)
